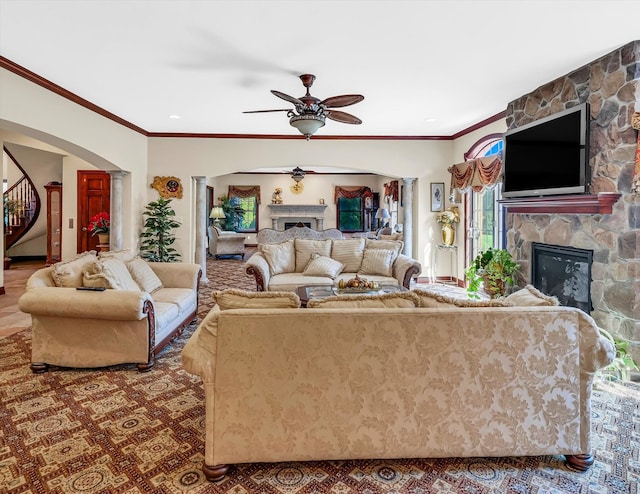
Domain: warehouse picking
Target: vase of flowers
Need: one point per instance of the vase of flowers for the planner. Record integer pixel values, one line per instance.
(99, 224)
(447, 219)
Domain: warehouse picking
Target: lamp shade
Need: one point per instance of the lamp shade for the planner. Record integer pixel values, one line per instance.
(307, 124)
(382, 214)
(217, 212)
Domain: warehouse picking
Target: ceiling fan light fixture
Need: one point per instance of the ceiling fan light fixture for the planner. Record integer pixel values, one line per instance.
(297, 174)
(307, 124)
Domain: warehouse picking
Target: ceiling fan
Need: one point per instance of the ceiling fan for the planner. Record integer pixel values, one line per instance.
(310, 112)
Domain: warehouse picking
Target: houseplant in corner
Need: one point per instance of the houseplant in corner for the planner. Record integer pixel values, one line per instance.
(157, 238)
(495, 268)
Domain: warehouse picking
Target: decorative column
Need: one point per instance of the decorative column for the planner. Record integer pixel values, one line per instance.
(201, 225)
(115, 214)
(408, 216)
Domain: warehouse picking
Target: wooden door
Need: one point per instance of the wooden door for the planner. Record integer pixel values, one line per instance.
(94, 196)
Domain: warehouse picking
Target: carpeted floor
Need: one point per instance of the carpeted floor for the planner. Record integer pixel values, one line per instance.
(115, 430)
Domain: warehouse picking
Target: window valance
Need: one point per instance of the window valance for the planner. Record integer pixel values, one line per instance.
(476, 174)
(245, 191)
(350, 192)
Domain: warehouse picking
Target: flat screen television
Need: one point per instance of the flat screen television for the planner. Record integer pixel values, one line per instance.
(549, 156)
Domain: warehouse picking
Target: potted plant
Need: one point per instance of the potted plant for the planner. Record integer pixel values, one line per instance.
(99, 225)
(495, 269)
(623, 363)
(233, 213)
(157, 238)
(447, 219)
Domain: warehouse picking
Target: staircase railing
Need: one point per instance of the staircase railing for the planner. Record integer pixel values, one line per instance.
(21, 206)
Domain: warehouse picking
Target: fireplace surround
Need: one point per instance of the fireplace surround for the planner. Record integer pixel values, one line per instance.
(564, 273)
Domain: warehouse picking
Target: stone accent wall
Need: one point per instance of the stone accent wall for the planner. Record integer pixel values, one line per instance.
(611, 85)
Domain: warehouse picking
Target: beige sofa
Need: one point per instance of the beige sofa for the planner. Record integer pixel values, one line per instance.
(361, 381)
(223, 243)
(122, 324)
(297, 261)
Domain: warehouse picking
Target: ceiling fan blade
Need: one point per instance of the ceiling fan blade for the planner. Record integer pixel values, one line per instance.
(344, 100)
(286, 97)
(263, 111)
(340, 116)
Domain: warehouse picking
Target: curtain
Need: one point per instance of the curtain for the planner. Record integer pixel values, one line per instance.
(476, 174)
(245, 191)
(350, 192)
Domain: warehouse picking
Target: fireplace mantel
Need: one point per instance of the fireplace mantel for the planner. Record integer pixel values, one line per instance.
(297, 212)
(571, 204)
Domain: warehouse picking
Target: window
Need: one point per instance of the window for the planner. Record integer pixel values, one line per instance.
(350, 217)
(248, 221)
(484, 219)
(245, 202)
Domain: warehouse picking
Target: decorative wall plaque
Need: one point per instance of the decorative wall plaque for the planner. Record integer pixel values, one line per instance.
(168, 187)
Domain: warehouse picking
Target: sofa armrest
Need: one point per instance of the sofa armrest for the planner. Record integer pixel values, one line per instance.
(199, 353)
(404, 268)
(115, 305)
(258, 267)
(177, 274)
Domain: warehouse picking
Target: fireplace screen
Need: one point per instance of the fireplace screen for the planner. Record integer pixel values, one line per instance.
(563, 272)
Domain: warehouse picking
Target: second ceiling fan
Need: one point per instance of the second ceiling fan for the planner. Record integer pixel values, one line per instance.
(310, 112)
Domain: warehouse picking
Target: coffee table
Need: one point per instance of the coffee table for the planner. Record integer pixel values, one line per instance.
(307, 292)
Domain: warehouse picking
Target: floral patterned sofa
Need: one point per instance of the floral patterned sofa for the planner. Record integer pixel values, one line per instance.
(300, 256)
(144, 306)
(400, 375)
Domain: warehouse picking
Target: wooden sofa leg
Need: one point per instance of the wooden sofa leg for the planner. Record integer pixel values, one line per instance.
(215, 473)
(145, 367)
(39, 367)
(581, 463)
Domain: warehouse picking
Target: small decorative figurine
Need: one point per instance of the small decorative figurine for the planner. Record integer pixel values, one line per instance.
(277, 196)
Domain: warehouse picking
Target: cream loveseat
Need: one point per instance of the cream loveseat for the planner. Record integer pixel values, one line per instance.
(144, 308)
(223, 243)
(299, 261)
(387, 379)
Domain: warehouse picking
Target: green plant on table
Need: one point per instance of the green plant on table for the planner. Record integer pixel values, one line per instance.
(495, 268)
(157, 238)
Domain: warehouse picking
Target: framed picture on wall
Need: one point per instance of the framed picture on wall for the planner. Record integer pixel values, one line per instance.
(368, 202)
(437, 196)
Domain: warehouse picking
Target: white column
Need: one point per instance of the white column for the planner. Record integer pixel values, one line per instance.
(115, 229)
(201, 226)
(408, 216)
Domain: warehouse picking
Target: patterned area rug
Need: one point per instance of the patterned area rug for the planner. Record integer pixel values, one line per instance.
(114, 430)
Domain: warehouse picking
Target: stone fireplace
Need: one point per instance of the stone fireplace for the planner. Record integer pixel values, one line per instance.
(308, 214)
(564, 273)
(611, 85)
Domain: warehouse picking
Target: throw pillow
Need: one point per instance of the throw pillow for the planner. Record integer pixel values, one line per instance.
(125, 255)
(531, 296)
(323, 266)
(349, 252)
(143, 275)
(377, 262)
(232, 298)
(394, 245)
(435, 300)
(280, 257)
(115, 273)
(398, 300)
(305, 247)
(68, 273)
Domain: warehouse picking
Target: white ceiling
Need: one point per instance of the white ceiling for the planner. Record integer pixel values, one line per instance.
(458, 62)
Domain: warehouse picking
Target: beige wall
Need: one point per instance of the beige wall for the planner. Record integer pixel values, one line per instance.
(186, 157)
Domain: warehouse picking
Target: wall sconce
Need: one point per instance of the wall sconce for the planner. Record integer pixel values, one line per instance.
(216, 213)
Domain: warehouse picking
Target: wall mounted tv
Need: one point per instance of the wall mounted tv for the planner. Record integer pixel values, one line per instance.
(549, 156)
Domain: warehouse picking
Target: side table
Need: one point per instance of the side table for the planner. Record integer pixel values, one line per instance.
(452, 250)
